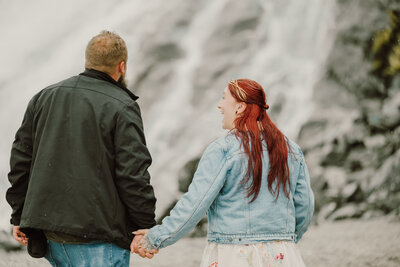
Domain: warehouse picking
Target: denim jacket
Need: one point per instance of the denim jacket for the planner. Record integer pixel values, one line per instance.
(217, 189)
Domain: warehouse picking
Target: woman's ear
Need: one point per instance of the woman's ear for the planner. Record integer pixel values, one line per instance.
(241, 107)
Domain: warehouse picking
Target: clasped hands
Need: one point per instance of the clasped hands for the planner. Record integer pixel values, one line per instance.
(137, 246)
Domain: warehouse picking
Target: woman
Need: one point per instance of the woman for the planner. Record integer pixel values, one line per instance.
(255, 185)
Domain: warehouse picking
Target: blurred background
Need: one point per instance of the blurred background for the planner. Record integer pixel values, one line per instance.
(330, 69)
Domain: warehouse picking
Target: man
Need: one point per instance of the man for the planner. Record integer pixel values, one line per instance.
(79, 165)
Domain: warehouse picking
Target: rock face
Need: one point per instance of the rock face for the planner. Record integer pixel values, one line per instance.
(352, 139)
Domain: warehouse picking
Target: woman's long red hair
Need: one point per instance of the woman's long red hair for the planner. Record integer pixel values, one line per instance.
(253, 125)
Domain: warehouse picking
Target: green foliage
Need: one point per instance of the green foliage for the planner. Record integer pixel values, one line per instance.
(381, 38)
(386, 49)
(394, 18)
(394, 59)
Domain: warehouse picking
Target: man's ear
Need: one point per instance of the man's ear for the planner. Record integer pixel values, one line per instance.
(121, 67)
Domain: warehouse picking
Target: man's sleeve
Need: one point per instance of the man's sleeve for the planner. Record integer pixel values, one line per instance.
(20, 164)
(132, 161)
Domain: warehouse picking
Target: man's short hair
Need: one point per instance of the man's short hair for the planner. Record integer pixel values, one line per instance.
(105, 51)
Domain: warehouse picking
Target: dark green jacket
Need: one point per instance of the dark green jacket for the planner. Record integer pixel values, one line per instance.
(79, 163)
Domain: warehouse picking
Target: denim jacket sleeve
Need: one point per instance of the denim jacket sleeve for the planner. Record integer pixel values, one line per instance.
(303, 201)
(207, 183)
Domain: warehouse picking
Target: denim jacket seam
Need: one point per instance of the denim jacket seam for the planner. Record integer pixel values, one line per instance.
(158, 240)
(287, 215)
(215, 216)
(233, 154)
(249, 237)
(248, 218)
(243, 235)
(306, 221)
(309, 205)
(196, 206)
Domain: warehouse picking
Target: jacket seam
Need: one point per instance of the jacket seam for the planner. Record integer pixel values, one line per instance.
(77, 80)
(248, 218)
(287, 215)
(306, 221)
(244, 238)
(308, 208)
(237, 152)
(90, 89)
(84, 88)
(216, 215)
(257, 234)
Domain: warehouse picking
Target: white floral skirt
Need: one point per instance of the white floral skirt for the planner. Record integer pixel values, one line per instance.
(267, 254)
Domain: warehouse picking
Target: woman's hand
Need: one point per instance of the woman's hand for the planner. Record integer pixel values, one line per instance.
(137, 246)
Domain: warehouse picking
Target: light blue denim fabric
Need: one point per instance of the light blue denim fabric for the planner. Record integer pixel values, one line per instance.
(96, 254)
(217, 188)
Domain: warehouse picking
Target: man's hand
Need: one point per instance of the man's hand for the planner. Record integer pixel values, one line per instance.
(136, 245)
(19, 236)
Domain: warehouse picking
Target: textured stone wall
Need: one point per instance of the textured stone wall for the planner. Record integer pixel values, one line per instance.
(352, 140)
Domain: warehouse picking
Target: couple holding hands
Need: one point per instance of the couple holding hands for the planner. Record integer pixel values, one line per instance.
(80, 189)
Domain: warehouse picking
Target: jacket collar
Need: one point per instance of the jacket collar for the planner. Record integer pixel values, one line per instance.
(105, 77)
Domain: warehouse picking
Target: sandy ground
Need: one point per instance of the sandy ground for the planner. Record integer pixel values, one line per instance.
(345, 243)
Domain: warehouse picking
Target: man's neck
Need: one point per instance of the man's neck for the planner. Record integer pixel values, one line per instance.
(115, 76)
(101, 75)
(106, 77)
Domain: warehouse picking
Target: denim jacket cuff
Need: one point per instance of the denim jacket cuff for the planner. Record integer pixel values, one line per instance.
(154, 237)
(146, 244)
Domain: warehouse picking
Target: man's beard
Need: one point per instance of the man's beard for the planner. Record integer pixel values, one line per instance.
(122, 81)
